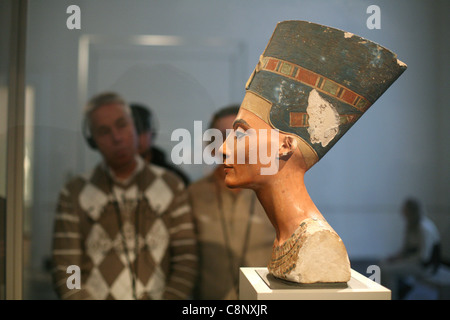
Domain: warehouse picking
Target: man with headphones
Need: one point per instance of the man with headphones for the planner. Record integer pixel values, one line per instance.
(127, 224)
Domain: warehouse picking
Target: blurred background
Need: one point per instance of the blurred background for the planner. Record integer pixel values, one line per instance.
(185, 60)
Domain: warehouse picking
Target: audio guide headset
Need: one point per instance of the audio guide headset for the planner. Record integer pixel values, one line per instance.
(87, 133)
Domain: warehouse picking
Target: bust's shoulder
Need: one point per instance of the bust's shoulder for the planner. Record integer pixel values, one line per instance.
(314, 253)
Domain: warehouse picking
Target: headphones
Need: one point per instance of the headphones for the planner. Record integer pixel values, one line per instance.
(87, 135)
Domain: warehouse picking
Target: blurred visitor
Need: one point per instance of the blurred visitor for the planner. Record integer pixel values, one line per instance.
(145, 123)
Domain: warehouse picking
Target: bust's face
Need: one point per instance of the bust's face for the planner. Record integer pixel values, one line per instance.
(250, 152)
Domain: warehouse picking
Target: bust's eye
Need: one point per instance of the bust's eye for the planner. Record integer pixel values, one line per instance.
(239, 132)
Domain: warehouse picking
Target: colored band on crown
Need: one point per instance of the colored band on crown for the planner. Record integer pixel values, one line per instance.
(317, 81)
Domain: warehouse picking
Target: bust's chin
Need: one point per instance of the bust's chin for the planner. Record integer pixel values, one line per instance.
(232, 183)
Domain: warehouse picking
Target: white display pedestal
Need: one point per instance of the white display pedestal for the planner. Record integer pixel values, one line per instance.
(258, 284)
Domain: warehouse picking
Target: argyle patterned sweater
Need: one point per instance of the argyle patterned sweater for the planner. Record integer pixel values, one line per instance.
(131, 241)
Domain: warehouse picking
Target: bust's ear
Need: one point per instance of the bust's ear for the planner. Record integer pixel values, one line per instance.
(288, 144)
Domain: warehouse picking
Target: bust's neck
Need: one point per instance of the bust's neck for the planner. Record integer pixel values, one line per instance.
(287, 203)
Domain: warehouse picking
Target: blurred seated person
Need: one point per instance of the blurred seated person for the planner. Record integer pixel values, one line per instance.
(232, 227)
(419, 255)
(144, 121)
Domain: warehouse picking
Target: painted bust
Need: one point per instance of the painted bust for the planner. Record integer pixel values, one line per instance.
(311, 84)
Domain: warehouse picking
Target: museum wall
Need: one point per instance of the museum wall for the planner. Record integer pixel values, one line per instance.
(397, 149)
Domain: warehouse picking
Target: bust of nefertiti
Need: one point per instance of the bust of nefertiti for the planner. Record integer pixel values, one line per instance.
(311, 84)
